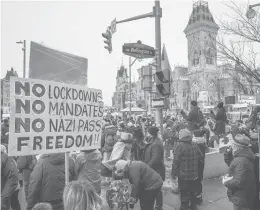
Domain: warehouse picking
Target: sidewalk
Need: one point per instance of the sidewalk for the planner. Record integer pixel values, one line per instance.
(214, 198)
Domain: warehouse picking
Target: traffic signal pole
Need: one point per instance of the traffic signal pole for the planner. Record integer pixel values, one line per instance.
(157, 14)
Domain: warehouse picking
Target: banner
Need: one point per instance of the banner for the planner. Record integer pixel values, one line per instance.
(51, 117)
(50, 64)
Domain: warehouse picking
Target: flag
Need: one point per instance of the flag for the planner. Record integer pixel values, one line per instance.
(50, 64)
(165, 60)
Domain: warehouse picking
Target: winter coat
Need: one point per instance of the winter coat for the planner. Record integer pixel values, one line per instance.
(193, 118)
(26, 165)
(221, 119)
(9, 179)
(142, 177)
(242, 188)
(87, 166)
(47, 180)
(186, 160)
(154, 156)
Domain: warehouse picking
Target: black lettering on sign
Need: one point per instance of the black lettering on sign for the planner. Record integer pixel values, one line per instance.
(87, 140)
(99, 97)
(81, 95)
(100, 113)
(56, 92)
(37, 141)
(50, 96)
(53, 126)
(38, 90)
(59, 142)
(20, 123)
(38, 125)
(69, 125)
(68, 93)
(62, 109)
(62, 93)
(53, 108)
(98, 125)
(22, 141)
(91, 125)
(49, 142)
(25, 87)
(69, 141)
(90, 110)
(95, 111)
(78, 110)
(78, 140)
(61, 127)
(38, 110)
(19, 104)
(96, 138)
(81, 124)
(74, 94)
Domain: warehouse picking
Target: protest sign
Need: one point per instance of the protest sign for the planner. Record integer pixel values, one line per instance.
(51, 117)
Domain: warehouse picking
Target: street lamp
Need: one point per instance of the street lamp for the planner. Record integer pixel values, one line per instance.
(251, 13)
(24, 55)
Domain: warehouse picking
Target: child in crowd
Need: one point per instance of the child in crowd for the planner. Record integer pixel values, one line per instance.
(118, 194)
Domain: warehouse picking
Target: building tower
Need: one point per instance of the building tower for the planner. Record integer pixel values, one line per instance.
(201, 33)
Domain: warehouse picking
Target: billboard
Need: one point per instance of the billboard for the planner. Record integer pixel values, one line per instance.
(50, 64)
(51, 117)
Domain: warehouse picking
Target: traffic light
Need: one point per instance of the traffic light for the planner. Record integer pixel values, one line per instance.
(163, 82)
(108, 40)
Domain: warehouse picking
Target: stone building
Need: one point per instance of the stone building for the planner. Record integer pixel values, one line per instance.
(203, 80)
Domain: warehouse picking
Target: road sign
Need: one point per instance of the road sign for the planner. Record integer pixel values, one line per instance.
(113, 26)
(158, 103)
(138, 50)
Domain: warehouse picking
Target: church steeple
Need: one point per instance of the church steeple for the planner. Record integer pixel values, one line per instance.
(200, 17)
(201, 33)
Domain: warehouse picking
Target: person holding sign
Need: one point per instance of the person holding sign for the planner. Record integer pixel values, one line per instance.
(47, 180)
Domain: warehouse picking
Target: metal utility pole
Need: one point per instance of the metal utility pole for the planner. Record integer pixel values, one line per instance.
(24, 56)
(130, 86)
(130, 83)
(158, 15)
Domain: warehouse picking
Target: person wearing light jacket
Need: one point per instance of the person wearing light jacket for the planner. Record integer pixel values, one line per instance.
(87, 166)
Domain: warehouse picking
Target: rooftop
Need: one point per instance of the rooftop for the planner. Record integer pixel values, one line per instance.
(200, 16)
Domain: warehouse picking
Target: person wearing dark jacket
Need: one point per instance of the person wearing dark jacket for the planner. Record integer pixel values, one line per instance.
(220, 118)
(47, 180)
(154, 157)
(26, 165)
(195, 118)
(186, 167)
(87, 166)
(240, 181)
(146, 183)
(9, 179)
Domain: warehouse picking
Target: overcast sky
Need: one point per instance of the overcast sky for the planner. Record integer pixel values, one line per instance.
(76, 27)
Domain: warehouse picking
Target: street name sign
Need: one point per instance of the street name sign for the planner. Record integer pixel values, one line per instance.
(158, 103)
(138, 50)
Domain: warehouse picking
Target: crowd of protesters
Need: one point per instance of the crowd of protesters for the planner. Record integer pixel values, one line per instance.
(131, 161)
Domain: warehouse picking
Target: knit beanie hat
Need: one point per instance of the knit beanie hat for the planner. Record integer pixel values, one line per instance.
(241, 140)
(184, 133)
(153, 130)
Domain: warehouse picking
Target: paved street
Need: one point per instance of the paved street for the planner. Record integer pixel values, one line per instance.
(214, 198)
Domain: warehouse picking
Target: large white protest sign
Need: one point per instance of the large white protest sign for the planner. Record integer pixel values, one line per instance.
(51, 117)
